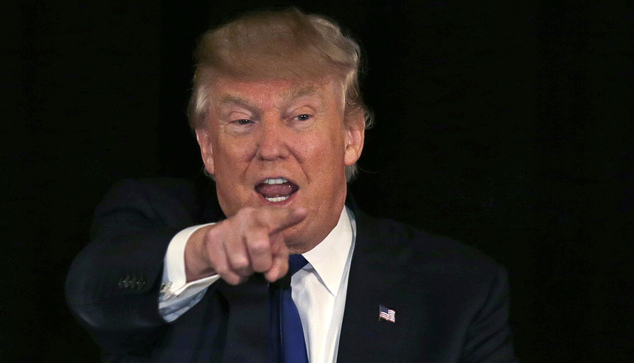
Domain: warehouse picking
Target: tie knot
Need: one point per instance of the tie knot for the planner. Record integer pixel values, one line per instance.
(295, 263)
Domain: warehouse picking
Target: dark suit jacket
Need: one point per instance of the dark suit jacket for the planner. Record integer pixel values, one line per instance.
(451, 301)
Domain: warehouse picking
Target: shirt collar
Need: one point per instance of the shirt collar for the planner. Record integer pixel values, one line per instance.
(329, 257)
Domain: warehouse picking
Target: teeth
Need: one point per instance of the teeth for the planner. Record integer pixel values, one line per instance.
(275, 181)
(277, 199)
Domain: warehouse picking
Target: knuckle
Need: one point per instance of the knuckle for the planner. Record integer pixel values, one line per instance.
(260, 247)
(213, 236)
(240, 263)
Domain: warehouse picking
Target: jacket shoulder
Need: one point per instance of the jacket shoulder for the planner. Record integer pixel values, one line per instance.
(419, 252)
(166, 201)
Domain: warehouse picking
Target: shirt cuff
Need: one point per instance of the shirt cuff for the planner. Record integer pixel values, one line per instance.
(177, 296)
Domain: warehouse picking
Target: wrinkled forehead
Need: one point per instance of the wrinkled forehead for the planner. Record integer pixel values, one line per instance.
(276, 92)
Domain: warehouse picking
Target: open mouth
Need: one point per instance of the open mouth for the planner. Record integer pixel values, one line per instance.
(276, 190)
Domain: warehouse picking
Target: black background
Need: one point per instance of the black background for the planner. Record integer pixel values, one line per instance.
(505, 125)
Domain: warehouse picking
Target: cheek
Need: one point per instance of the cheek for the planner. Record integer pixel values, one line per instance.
(231, 154)
(231, 165)
(330, 137)
(319, 149)
(323, 160)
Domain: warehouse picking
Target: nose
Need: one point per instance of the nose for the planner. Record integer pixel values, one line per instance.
(271, 140)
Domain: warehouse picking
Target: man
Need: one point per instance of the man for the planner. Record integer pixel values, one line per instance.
(278, 115)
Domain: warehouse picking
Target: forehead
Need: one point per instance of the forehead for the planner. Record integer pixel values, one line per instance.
(273, 92)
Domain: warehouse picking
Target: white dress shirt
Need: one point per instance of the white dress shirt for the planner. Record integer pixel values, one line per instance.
(319, 289)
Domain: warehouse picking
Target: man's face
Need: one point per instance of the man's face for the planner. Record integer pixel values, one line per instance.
(282, 144)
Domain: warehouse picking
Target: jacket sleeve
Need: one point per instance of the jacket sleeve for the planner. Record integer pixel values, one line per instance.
(489, 337)
(113, 284)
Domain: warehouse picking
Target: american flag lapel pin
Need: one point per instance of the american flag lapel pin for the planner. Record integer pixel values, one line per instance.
(387, 314)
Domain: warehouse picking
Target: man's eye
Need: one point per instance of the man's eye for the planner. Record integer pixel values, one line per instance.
(303, 117)
(243, 121)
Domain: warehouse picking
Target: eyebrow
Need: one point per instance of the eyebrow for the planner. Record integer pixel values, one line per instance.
(229, 99)
(287, 96)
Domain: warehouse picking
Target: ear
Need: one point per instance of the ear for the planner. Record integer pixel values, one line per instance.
(206, 151)
(354, 138)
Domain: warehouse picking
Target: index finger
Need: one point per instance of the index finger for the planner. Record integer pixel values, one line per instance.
(279, 219)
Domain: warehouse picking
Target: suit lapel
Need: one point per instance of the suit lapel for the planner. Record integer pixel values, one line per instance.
(374, 280)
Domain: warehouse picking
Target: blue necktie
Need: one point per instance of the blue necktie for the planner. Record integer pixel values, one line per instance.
(287, 341)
